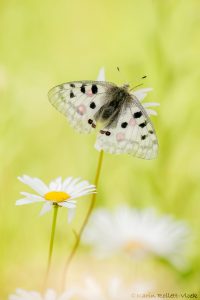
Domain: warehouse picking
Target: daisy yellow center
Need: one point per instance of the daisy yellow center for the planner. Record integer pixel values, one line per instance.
(56, 196)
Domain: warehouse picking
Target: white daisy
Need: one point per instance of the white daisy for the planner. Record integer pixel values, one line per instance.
(137, 233)
(33, 295)
(60, 192)
(114, 289)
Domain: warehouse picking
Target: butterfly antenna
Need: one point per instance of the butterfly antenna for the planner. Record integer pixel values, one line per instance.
(143, 77)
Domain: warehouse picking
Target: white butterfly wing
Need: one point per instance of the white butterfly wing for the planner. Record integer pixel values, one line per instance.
(133, 134)
(79, 101)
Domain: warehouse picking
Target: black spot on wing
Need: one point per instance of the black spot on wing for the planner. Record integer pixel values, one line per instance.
(94, 89)
(137, 114)
(71, 94)
(142, 125)
(72, 85)
(143, 137)
(83, 88)
(124, 124)
(92, 105)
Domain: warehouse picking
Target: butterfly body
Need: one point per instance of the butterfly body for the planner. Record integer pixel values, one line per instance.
(126, 127)
(116, 99)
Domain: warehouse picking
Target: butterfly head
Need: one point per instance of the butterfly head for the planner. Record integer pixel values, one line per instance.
(126, 86)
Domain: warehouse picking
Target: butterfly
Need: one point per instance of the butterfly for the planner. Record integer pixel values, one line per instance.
(126, 126)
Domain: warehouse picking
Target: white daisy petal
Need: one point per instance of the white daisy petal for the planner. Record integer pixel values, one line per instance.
(72, 185)
(91, 289)
(144, 90)
(31, 196)
(81, 184)
(55, 185)
(101, 75)
(71, 201)
(59, 183)
(67, 204)
(151, 104)
(66, 182)
(46, 208)
(141, 94)
(83, 190)
(25, 295)
(42, 187)
(68, 295)
(50, 294)
(25, 201)
(35, 183)
(115, 289)
(81, 194)
(151, 112)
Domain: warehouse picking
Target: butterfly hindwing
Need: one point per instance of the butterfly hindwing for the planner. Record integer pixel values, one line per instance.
(133, 134)
(79, 101)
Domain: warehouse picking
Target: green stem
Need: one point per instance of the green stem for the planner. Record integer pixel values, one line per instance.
(79, 234)
(53, 228)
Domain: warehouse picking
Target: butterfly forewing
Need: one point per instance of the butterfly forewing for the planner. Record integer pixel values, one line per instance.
(79, 101)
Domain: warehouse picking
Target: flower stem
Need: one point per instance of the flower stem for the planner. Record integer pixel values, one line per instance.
(53, 228)
(79, 234)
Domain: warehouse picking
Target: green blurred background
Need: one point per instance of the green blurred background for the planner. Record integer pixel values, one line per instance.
(44, 43)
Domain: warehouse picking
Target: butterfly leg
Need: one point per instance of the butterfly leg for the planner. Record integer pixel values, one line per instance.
(91, 122)
(105, 132)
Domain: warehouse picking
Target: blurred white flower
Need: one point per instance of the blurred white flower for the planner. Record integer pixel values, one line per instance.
(137, 233)
(114, 289)
(60, 192)
(33, 295)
